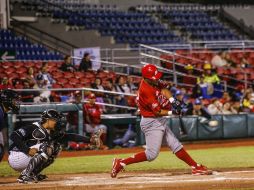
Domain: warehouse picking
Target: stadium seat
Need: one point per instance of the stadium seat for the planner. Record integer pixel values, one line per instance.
(73, 81)
(62, 81)
(56, 86)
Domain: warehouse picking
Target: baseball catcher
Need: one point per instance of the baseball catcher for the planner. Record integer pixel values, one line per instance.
(36, 146)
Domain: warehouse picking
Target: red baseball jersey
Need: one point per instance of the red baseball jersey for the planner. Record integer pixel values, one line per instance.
(93, 112)
(150, 100)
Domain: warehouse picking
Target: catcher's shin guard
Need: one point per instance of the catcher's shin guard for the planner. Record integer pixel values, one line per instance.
(36, 162)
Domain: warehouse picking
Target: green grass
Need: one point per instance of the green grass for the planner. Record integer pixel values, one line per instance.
(235, 157)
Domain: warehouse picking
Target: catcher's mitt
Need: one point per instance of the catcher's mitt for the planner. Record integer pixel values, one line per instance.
(96, 142)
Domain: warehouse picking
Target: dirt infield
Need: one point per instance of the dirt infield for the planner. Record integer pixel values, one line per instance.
(165, 180)
(222, 179)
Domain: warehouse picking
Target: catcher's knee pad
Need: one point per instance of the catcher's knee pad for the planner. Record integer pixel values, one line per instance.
(57, 149)
(46, 150)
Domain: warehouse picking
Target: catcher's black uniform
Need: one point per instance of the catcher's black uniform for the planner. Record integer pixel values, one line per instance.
(33, 134)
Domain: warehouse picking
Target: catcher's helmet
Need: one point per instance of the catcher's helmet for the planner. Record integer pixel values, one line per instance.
(10, 100)
(150, 71)
(51, 114)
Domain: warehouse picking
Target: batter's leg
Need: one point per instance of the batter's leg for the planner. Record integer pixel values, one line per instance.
(177, 147)
(180, 152)
(154, 132)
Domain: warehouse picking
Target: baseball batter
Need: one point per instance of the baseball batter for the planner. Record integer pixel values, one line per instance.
(155, 101)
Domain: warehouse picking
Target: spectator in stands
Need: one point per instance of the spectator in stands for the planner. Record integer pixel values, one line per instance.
(122, 87)
(229, 60)
(248, 102)
(44, 94)
(132, 87)
(219, 60)
(5, 84)
(110, 98)
(237, 93)
(189, 78)
(28, 96)
(245, 63)
(215, 107)
(67, 65)
(85, 63)
(226, 109)
(210, 79)
(198, 109)
(225, 98)
(46, 76)
(236, 107)
(200, 89)
(97, 84)
(99, 95)
(17, 83)
(92, 117)
(30, 77)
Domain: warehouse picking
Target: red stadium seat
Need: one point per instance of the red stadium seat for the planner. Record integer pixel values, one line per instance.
(1, 70)
(56, 86)
(85, 81)
(102, 74)
(29, 64)
(68, 75)
(9, 70)
(79, 75)
(68, 86)
(240, 76)
(38, 64)
(79, 86)
(52, 69)
(89, 75)
(21, 70)
(6, 65)
(53, 64)
(12, 75)
(2, 75)
(19, 86)
(62, 81)
(57, 74)
(73, 81)
(18, 64)
(22, 75)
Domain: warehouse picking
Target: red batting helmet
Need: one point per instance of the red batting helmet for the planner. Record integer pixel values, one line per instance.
(150, 71)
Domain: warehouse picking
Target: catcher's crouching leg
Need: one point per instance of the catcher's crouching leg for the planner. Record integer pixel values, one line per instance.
(45, 157)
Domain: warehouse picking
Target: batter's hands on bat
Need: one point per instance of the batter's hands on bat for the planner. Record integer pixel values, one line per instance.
(177, 107)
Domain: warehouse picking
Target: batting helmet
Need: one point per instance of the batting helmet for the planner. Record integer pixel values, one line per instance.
(150, 71)
(10, 100)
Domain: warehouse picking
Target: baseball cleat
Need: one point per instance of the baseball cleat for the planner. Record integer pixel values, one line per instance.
(26, 179)
(41, 177)
(200, 170)
(117, 166)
